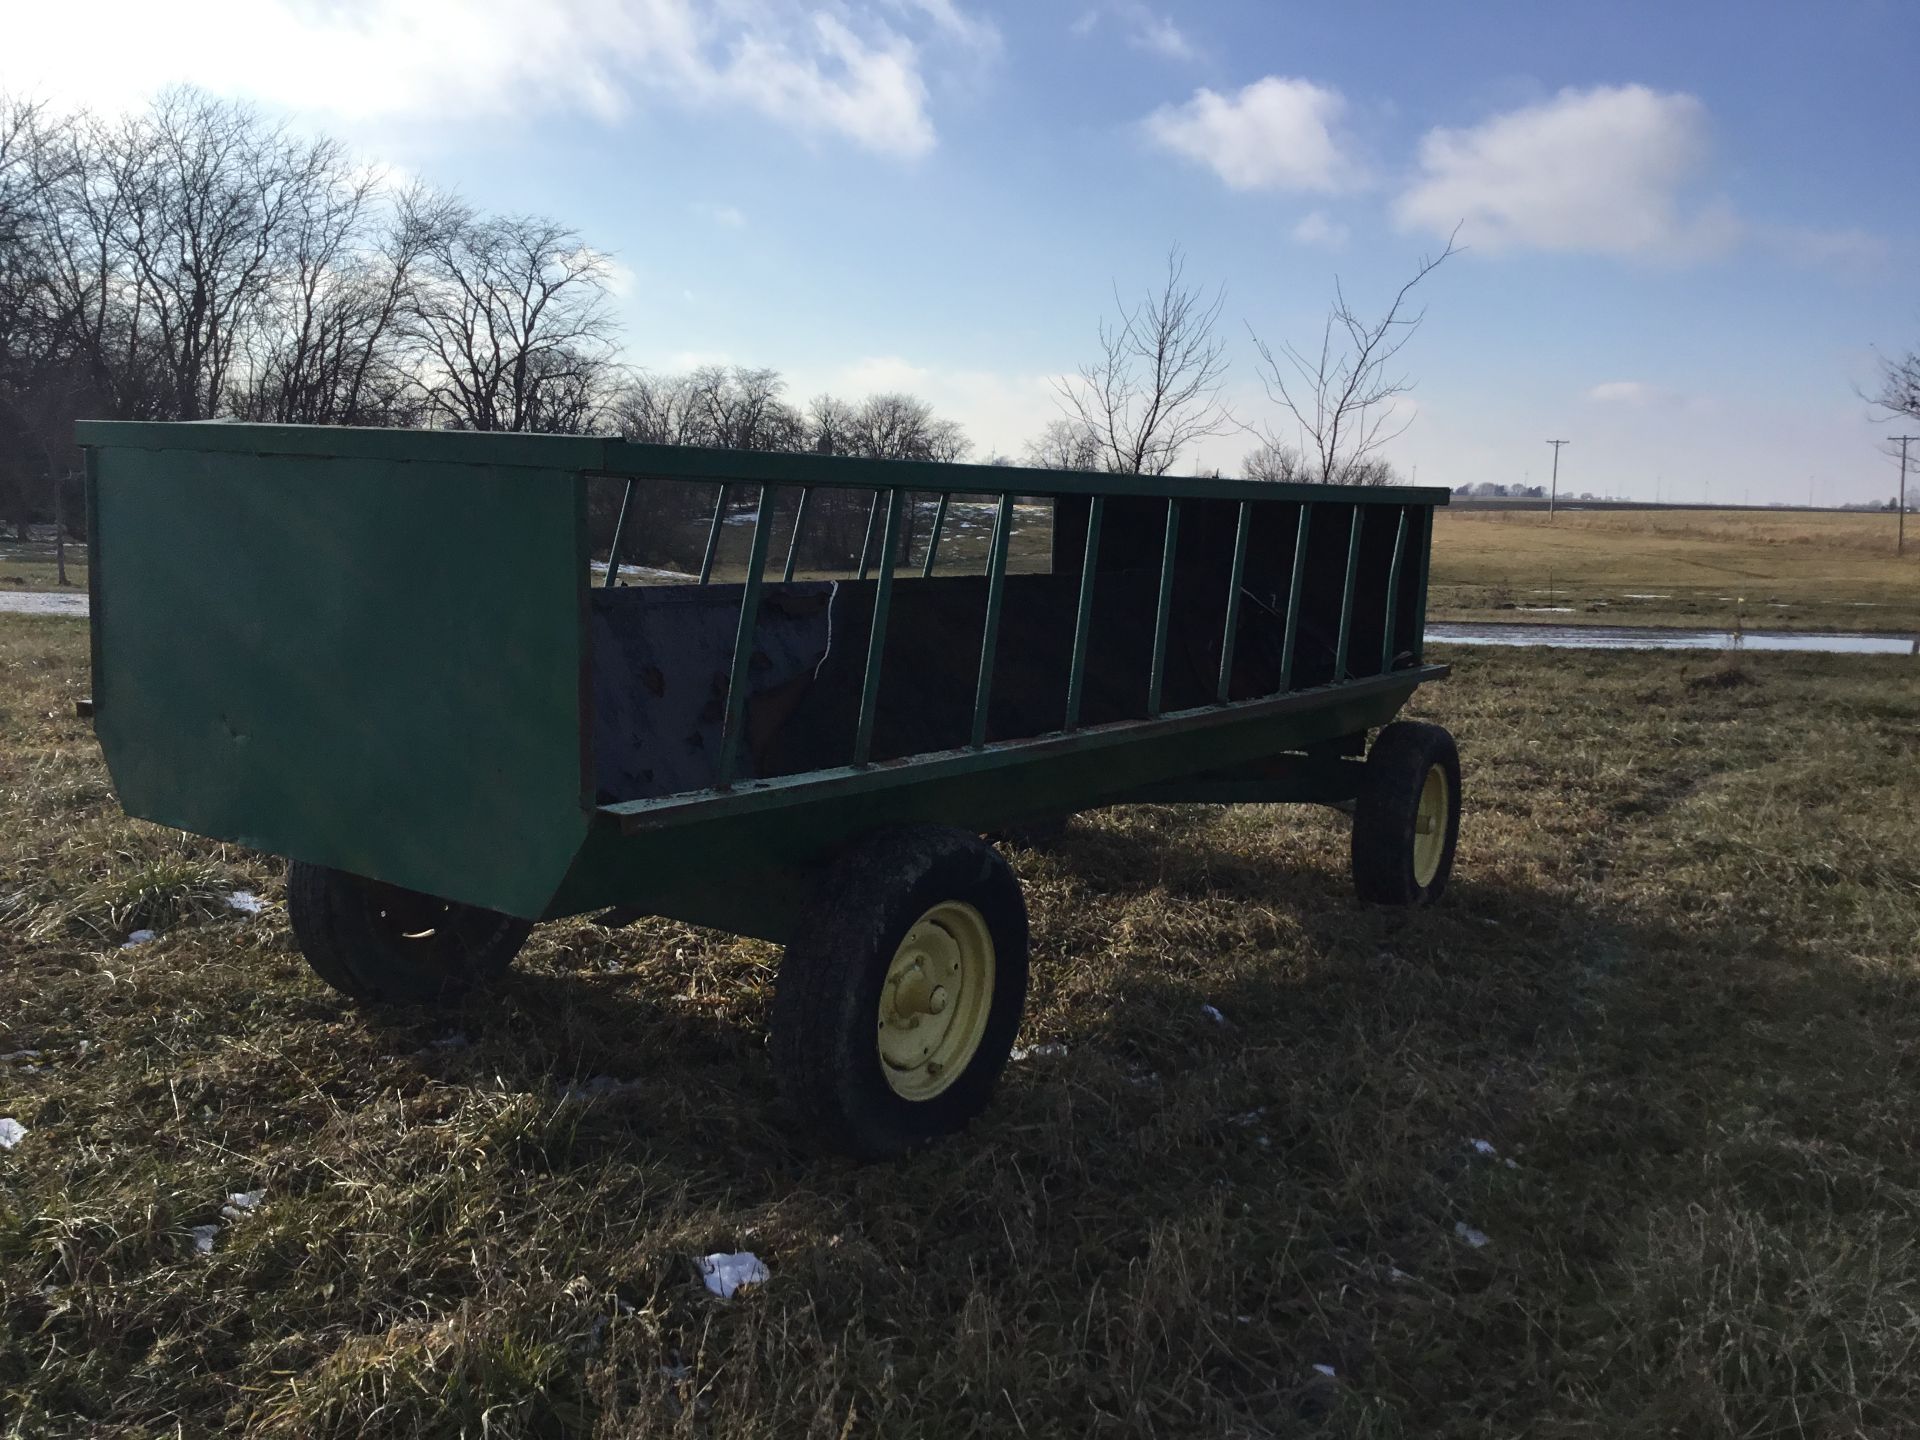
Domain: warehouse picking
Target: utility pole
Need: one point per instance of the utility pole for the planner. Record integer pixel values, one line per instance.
(1900, 544)
(1553, 494)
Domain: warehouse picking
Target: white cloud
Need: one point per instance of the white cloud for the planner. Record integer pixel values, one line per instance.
(1318, 228)
(1276, 134)
(730, 217)
(1606, 171)
(1626, 392)
(1158, 35)
(852, 70)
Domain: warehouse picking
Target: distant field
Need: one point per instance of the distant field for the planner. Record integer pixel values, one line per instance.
(1774, 570)
(1673, 990)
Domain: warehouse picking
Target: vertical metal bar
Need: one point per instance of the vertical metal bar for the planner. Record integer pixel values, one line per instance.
(619, 529)
(1346, 598)
(1393, 592)
(713, 535)
(1295, 584)
(866, 539)
(933, 540)
(1234, 579)
(1168, 556)
(793, 543)
(730, 736)
(1425, 562)
(877, 639)
(1088, 564)
(96, 615)
(990, 633)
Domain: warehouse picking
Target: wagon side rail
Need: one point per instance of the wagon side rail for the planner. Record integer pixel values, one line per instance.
(1340, 512)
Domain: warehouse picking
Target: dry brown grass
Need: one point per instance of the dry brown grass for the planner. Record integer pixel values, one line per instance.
(1675, 982)
(1778, 570)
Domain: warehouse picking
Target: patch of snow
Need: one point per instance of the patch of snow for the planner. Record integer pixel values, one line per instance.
(242, 1203)
(12, 1132)
(139, 937)
(42, 602)
(1484, 1147)
(1326, 1370)
(18, 1055)
(246, 902)
(1047, 1050)
(1546, 609)
(1213, 1014)
(1394, 1272)
(1248, 1117)
(1511, 1165)
(726, 1274)
(1631, 596)
(203, 1238)
(1473, 1237)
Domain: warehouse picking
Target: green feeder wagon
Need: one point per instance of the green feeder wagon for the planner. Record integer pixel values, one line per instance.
(403, 660)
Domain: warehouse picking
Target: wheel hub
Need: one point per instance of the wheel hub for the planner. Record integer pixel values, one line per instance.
(935, 1000)
(1430, 826)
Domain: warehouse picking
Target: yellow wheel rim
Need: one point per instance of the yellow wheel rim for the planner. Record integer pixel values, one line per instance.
(934, 1004)
(1430, 827)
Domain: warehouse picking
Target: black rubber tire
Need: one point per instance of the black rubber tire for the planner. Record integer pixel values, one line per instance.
(829, 988)
(1384, 815)
(366, 940)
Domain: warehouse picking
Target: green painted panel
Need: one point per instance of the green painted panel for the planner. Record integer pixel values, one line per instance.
(371, 664)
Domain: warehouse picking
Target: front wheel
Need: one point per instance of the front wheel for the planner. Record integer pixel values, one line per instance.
(1406, 821)
(379, 943)
(898, 999)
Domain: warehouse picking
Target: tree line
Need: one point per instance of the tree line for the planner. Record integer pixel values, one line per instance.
(193, 260)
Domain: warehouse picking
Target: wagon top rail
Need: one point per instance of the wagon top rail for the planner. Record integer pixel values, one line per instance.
(612, 456)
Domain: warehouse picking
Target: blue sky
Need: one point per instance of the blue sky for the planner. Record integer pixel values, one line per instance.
(1688, 225)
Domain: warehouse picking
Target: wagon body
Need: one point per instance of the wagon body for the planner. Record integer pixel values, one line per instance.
(389, 653)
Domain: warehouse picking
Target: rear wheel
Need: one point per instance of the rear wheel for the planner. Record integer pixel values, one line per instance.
(900, 994)
(379, 943)
(1406, 821)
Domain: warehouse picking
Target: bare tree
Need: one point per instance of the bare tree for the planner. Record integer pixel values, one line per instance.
(1155, 388)
(511, 313)
(1065, 445)
(1275, 462)
(1897, 392)
(893, 426)
(1342, 396)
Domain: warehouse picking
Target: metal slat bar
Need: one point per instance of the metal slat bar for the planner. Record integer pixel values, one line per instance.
(990, 632)
(1346, 599)
(1078, 669)
(730, 736)
(1168, 558)
(713, 535)
(1393, 592)
(619, 530)
(866, 538)
(877, 639)
(1295, 584)
(1425, 563)
(933, 540)
(793, 543)
(1234, 579)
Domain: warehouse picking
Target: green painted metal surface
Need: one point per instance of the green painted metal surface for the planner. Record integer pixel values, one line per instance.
(296, 654)
(742, 860)
(367, 649)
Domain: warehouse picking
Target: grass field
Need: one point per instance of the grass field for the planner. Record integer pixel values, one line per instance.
(1785, 570)
(1674, 984)
(30, 565)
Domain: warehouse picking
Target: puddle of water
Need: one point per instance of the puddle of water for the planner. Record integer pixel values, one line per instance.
(1647, 637)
